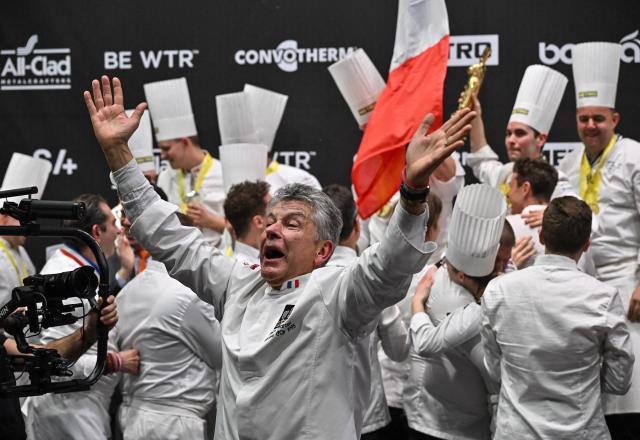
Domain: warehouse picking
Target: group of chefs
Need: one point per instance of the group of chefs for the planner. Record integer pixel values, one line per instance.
(255, 304)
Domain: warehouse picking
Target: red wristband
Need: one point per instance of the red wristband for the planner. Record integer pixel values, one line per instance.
(412, 188)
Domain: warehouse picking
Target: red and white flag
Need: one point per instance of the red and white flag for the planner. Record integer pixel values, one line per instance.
(414, 88)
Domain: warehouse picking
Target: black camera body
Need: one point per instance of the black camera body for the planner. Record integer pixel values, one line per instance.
(45, 300)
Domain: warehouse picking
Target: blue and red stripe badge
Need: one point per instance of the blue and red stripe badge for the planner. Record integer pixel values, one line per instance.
(293, 284)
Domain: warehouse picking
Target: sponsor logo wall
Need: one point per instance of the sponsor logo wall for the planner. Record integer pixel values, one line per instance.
(50, 52)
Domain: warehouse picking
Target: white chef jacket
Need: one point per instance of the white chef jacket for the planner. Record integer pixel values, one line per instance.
(279, 175)
(9, 278)
(615, 240)
(446, 395)
(245, 253)
(556, 338)
(521, 229)
(178, 337)
(392, 333)
(488, 169)
(282, 348)
(212, 193)
(83, 414)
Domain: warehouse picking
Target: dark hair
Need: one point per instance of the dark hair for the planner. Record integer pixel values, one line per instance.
(507, 237)
(243, 202)
(566, 225)
(435, 209)
(93, 215)
(343, 199)
(542, 176)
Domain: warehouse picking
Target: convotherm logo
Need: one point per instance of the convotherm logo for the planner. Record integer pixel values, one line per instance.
(288, 55)
(465, 50)
(28, 68)
(552, 54)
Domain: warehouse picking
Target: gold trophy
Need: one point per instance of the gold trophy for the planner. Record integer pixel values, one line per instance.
(476, 75)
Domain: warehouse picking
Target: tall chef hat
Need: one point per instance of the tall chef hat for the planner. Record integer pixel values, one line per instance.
(595, 72)
(539, 97)
(359, 82)
(24, 171)
(170, 108)
(475, 229)
(266, 109)
(242, 162)
(141, 143)
(234, 119)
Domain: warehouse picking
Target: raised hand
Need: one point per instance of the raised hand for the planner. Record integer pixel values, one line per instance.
(111, 125)
(426, 152)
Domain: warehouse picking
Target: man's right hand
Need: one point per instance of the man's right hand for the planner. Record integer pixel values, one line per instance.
(130, 361)
(111, 125)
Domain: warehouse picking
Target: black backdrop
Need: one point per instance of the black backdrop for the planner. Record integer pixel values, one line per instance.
(219, 47)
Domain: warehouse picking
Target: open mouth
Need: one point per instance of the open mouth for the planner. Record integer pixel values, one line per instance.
(273, 254)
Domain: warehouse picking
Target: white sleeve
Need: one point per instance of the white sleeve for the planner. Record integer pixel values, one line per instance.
(492, 353)
(455, 329)
(486, 165)
(393, 334)
(202, 333)
(617, 355)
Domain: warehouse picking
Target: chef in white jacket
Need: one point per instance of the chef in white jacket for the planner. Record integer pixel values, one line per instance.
(605, 171)
(391, 331)
(447, 395)
(555, 337)
(527, 131)
(85, 414)
(290, 326)
(194, 180)
(178, 338)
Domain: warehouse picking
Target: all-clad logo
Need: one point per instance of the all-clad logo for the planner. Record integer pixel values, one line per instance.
(287, 56)
(28, 68)
(465, 50)
(552, 54)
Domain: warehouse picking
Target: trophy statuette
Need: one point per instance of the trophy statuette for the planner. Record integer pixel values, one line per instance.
(476, 76)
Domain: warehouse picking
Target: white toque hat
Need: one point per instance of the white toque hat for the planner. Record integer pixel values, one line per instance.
(242, 162)
(266, 108)
(25, 171)
(170, 108)
(141, 143)
(359, 82)
(234, 119)
(475, 229)
(539, 97)
(595, 73)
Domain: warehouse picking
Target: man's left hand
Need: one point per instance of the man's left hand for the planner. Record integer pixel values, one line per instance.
(108, 316)
(427, 151)
(199, 214)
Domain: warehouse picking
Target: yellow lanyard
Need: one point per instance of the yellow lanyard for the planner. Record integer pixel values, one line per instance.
(504, 188)
(204, 169)
(14, 263)
(273, 167)
(590, 181)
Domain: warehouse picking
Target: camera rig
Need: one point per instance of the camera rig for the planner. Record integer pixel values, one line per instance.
(42, 297)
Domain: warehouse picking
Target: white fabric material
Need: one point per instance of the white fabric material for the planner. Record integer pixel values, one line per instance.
(266, 109)
(141, 143)
(359, 83)
(476, 226)
(180, 348)
(246, 254)
(392, 336)
(539, 97)
(211, 194)
(595, 73)
(421, 24)
(8, 276)
(242, 162)
(286, 174)
(521, 229)
(170, 108)
(445, 395)
(282, 348)
(155, 422)
(615, 242)
(83, 414)
(556, 338)
(234, 119)
(24, 171)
